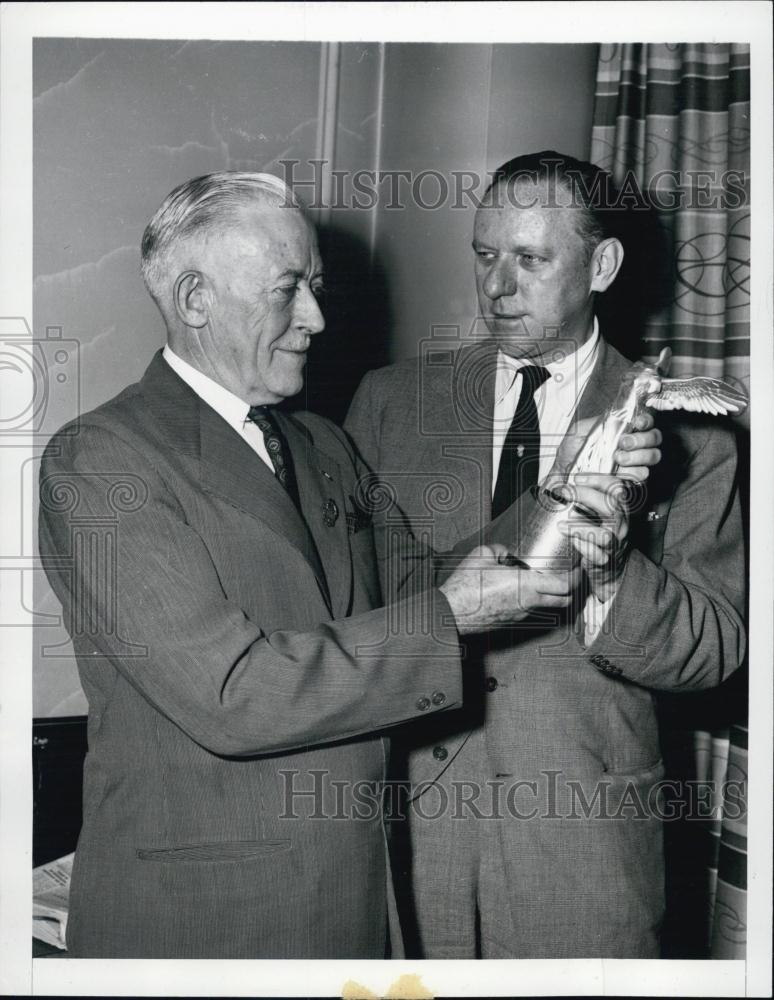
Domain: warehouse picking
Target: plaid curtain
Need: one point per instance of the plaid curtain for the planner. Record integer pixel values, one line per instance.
(721, 760)
(676, 119)
(673, 122)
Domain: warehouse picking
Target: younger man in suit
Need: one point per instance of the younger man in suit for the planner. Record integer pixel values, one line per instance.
(550, 852)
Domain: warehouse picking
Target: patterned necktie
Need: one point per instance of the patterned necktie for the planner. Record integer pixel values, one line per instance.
(520, 460)
(278, 450)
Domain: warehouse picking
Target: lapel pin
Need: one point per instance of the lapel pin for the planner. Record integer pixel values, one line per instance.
(330, 512)
(327, 474)
(520, 450)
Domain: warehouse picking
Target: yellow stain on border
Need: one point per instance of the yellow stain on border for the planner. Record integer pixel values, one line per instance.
(356, 991)
(406, 987)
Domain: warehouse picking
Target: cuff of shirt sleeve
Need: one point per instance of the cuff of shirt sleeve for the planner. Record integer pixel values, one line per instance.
(595, 614)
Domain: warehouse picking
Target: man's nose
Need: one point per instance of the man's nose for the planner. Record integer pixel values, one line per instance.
(500, 280)
(309, 317)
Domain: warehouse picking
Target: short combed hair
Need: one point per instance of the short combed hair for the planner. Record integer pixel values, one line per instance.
(592, 189)
(207, 202)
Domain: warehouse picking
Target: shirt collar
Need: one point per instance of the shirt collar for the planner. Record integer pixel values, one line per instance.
(233, 409)
(577, 364)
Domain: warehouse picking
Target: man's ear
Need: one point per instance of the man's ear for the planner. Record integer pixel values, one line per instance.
(606, 263)
(191, 300)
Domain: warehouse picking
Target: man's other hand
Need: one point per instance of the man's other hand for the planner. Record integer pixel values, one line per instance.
(638, 451)
(484, 591)
(602, 539)
(603, 546)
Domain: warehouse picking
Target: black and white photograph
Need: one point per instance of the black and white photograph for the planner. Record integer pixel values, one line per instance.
(386, 434)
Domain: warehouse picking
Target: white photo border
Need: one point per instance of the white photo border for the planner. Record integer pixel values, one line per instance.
(446, 22)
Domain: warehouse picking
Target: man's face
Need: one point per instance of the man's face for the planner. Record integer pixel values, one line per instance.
(264, 273)
(532, 275)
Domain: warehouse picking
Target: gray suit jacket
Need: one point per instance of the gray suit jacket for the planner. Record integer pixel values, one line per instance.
(236, 676)
(566, 720)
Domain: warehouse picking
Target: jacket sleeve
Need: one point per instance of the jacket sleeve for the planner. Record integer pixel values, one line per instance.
(219, 676)
(678, 624)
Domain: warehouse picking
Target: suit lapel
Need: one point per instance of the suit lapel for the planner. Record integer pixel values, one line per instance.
(604, 382)
(231, 469)
(475, 382)
(228, 466)
(600, 391)
(460, 406)
(320, 487)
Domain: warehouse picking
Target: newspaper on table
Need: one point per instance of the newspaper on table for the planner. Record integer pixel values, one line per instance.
(50, 898)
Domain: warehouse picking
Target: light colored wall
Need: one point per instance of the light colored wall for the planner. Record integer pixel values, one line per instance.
(117, 124)
(114, 132)
(457, 108)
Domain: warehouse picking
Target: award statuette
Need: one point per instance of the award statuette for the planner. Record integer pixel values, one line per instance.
(541, 544)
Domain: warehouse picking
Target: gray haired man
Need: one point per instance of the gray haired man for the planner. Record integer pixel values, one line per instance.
(222, 594)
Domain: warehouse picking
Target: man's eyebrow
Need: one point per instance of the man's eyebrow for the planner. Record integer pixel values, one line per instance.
(291, 272)
(532, 248)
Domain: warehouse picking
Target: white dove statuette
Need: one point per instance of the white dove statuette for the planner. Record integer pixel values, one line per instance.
(541, 544)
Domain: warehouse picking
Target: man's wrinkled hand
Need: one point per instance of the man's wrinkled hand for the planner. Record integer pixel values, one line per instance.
(485, 592)
(601, 540)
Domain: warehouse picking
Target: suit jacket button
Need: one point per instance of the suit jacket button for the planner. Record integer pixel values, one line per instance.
(438, 697)
(423, 704)
(491, 684)
(440, 753)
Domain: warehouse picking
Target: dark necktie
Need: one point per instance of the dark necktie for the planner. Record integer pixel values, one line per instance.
(519, 462)
(277, 447)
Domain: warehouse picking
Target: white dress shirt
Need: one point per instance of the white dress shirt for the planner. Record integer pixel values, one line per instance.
(556, 401)
(228, 406)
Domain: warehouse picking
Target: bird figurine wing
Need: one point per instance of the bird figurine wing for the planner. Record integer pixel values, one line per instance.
(700, 394)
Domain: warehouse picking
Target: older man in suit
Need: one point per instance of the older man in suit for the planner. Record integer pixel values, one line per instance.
(555, 847)
(219, 584)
